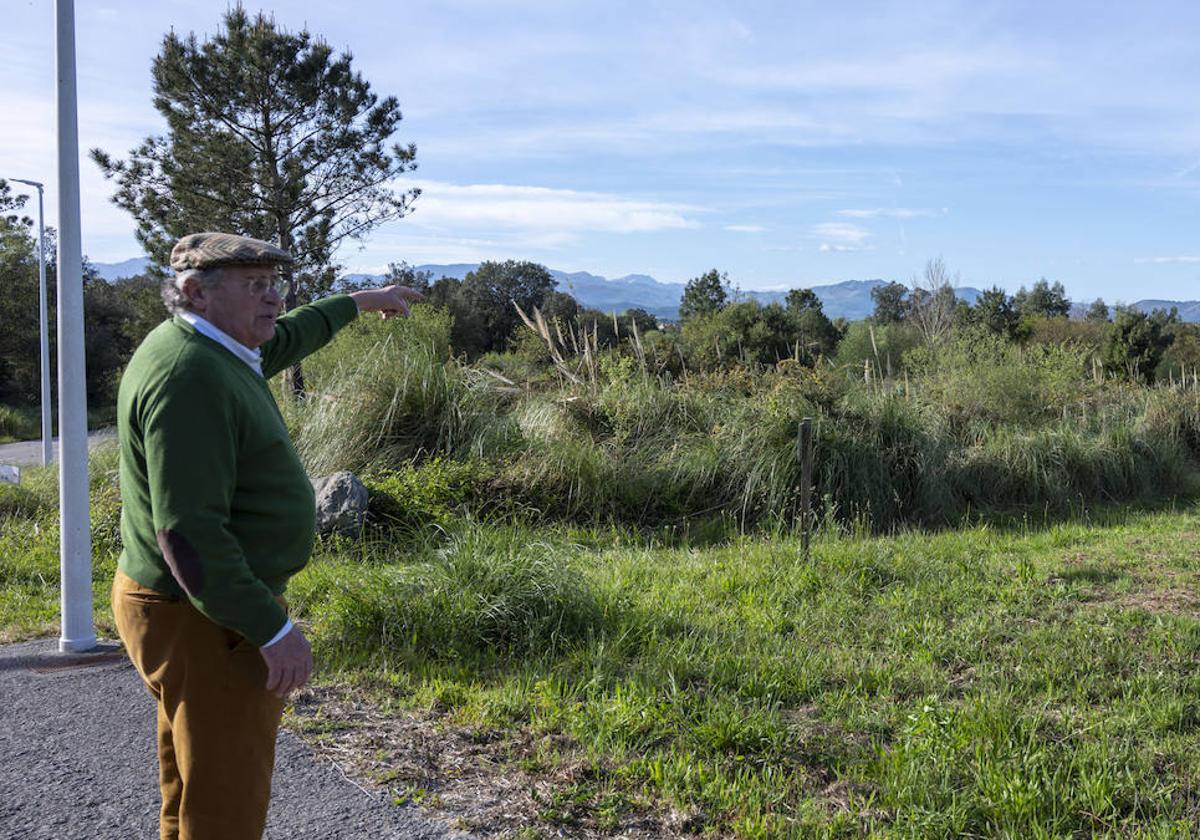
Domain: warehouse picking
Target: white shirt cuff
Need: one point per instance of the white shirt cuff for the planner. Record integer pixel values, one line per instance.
(283, 631)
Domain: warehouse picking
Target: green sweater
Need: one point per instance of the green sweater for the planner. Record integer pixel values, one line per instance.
(215, 502)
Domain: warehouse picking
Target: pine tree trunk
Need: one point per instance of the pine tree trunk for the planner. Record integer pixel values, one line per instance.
(293, 377)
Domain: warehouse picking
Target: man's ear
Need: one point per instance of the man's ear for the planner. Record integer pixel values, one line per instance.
(196, 294)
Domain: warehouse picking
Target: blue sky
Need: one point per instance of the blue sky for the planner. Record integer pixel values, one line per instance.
(789, 144)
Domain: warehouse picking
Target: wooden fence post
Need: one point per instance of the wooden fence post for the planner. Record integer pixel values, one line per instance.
(806, 464)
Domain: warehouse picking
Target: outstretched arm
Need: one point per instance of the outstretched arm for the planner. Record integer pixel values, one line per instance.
(306, 329)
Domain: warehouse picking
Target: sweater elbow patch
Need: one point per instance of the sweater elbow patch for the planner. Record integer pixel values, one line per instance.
(183, 560)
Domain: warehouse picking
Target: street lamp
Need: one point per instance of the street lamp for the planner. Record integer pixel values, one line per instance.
(47, 432)
(75, 537)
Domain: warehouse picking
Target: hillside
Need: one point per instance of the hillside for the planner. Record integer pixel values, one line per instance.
(850, 299)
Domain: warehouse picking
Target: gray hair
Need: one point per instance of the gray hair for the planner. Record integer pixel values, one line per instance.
(172, 287)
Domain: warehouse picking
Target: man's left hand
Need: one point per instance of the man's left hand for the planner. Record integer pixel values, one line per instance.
(389, 300)
(289, 663)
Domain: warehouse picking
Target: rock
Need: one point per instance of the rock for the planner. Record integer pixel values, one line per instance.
(341, 503)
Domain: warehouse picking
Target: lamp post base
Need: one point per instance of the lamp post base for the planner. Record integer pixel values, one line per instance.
(77, 645)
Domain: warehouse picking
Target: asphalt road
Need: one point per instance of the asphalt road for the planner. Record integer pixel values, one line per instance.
(28, 453)
(77, 760)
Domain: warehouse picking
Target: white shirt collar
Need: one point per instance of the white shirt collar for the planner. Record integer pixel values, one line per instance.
(252, 356)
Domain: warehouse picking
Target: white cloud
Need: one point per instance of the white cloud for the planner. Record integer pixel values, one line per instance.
(923, 71)
(475, 222)
(555, 213)
(841, 237)
(745, 228)
(841, 232)
(885, 212)
(28, 150)
(398, 243)
(1181, 259)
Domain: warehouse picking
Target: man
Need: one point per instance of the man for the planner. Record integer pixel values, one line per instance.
(217, 515)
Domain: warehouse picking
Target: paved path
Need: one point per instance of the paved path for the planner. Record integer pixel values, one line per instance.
(28, 453)
(77, 761)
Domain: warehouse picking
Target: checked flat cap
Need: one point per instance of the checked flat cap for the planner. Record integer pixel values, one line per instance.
(209, 250)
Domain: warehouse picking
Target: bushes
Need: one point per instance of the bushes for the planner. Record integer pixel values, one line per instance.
(1060, 466)
(386, 393)
(881, 459)
(884, 346)
(18, 423)
(980, 380)
(433, 493)
(980, 424)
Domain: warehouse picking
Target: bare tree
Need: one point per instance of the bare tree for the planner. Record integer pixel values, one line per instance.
(934, 301)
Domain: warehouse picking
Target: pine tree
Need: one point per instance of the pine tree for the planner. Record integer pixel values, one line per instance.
(1098, 311)
(890, 305)
(704, 295)
(995, 311)
(270, 135)
(1043, 300)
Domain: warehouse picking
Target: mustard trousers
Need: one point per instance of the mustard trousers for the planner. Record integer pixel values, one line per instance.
(216, 720)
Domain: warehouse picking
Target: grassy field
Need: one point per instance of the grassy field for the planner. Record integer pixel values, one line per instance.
(1012, 679)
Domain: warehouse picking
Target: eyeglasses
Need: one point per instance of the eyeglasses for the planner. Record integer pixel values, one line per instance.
(259, 285)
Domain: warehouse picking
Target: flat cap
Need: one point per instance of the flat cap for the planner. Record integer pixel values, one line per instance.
(209, 250)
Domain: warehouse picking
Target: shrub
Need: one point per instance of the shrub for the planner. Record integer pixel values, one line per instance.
(981, 380)
(981, 424)
(18, 423)
(388, 394)
(884, 346)
(1055, 467)
(428, 494)
(490, 593)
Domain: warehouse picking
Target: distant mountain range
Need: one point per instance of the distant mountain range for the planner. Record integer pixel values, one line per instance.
(850, 299)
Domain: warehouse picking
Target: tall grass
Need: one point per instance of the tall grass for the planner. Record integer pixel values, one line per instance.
(976, 425)
(29, 549)
(389, 393)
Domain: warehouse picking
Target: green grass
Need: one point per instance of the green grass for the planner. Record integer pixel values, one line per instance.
(993, 681)
(607, 570)
(1015, 678)
(29, 551)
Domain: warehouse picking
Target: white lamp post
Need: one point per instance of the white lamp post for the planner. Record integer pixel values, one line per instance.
(47, 431)
(75, 551)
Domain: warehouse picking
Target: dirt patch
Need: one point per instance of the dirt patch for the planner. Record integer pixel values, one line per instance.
(1157, 588)
(855, 797)
(490, 783)
(1167, 592)
(1171, 601)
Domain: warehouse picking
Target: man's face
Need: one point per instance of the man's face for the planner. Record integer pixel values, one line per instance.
(243, 305)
